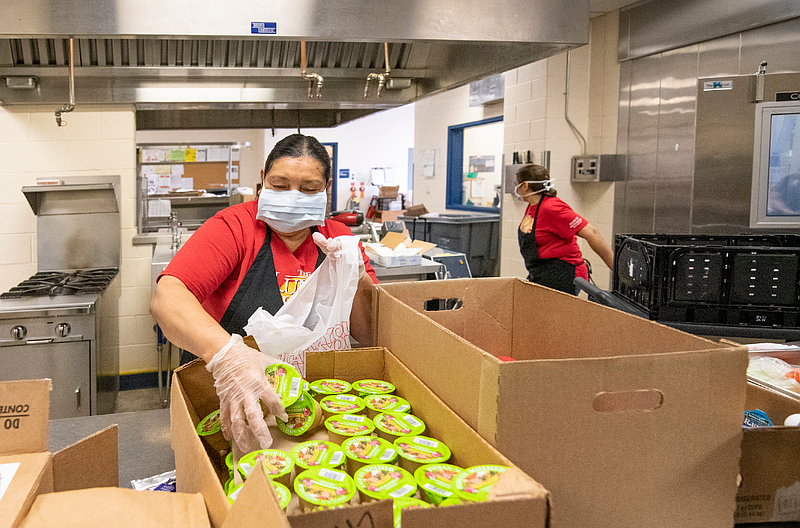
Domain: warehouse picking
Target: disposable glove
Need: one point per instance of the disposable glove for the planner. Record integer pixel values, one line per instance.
(240, 382)
(332, 247)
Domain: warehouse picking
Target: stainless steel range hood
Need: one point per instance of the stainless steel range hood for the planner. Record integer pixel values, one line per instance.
(194, 57)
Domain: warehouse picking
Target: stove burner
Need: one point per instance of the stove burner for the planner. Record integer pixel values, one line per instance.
(51, 283)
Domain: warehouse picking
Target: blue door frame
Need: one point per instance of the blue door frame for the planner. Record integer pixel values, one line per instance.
(455, 166)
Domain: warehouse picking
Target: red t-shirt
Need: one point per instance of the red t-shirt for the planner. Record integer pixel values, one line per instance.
(213, 262)
(556, 228)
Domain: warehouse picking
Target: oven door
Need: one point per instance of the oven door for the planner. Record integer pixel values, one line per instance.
(66, 363)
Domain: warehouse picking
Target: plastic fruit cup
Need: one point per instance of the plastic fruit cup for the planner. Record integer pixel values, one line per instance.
(366, 387)
(474, 483)
(283, 493)
(365, 450)
(323, 488)
(305, 416)
(287, 382)
(328, 387)
(380, 403)
(343, 426)
(435, 481)
(278, 464)
(229, 464)
(406, 503)
(452, 501)
(210, 430)
(233, 491)
(317, 453)
(416, 451)
(383, 481)
(391, 426)
(341, 404)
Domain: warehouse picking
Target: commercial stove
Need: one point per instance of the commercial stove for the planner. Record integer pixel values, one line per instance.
(56, 324)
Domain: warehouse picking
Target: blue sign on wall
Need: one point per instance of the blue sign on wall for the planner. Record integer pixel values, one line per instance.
(264, 28)
(344, 173)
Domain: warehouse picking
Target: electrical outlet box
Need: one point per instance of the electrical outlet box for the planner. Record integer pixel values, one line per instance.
(596, 168)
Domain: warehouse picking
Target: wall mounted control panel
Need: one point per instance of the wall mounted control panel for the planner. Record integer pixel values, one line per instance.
(596, 168)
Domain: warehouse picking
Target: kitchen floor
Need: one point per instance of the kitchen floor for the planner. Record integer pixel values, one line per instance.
(138, 400)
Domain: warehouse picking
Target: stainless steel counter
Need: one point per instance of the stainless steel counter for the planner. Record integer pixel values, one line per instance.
(407, 273)
(144, 446)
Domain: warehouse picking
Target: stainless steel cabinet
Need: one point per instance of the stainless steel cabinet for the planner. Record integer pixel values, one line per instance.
(67, 364)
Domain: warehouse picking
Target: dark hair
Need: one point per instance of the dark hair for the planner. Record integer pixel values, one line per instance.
(532, 173)
(300, 146)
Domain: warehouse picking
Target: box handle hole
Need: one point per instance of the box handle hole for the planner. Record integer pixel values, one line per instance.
(436, 305)
(644, 400)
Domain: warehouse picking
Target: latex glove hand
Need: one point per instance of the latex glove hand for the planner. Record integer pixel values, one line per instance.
(240, 382)
(332, 247)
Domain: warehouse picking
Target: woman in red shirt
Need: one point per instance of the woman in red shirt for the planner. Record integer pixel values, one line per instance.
(547, 234)
(251, 255)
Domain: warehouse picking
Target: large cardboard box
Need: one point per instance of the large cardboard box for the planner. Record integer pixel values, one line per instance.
(625, 421)
(75, 487)
(770, 469)
(520, 501)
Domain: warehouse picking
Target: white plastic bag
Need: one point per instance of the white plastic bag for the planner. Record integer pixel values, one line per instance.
(774, 371)
(317, 316)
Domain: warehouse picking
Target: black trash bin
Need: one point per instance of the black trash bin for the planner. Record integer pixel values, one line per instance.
(477, 235)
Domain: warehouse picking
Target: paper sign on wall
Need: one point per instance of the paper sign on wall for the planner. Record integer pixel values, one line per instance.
(428, 163)
(152, 155)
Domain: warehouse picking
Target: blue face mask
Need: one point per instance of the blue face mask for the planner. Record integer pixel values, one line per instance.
(290, 211)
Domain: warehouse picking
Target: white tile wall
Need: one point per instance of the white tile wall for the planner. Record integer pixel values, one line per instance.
(95, 141)
(537, 97)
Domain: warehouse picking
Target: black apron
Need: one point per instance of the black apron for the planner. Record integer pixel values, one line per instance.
(552, 272)
(259, 288)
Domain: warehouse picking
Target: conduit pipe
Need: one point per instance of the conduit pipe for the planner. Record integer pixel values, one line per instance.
(71, 106)
(312, 78)
(566, 112)
(381, 77)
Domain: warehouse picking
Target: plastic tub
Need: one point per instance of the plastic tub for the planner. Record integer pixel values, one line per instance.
(283, 493)
(406, 503)
(382, 481)
(328, 387)
(365, 450)
(341, 404)
(323, 488)
(287, 382)
(305, 415)
(317, 453)
(343, 426)
(210, 430)
(380, 403)
(435, 482)
(416, 451)
(366, 387)
(474, 483)
(277, 463)
(391, 426)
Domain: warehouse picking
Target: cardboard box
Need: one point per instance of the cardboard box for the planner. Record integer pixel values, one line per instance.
(521, 501)
(389, 191)
(770, 469)
(396, 249)
(75, 487)
(386, 216)
(625, 421)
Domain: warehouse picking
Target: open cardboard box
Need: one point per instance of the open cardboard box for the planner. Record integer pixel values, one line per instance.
(519, 502)
(770, 467)
(387, 253)
(75, 487)
(626, 422)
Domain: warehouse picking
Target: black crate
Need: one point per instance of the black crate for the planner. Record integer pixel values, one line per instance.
(710, 280)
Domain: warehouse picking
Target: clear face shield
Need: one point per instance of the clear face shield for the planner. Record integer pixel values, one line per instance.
(546, 186)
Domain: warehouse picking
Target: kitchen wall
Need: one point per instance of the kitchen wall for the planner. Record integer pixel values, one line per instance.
(96, 141)
(534, 120)
(431, 118)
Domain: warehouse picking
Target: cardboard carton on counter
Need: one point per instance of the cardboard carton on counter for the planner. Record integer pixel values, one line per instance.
(396, 249)
(75, 487)
(770, 488)
(520, 501)
(626, 422)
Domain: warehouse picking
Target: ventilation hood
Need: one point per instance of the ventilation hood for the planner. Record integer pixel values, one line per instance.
(199, 63)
